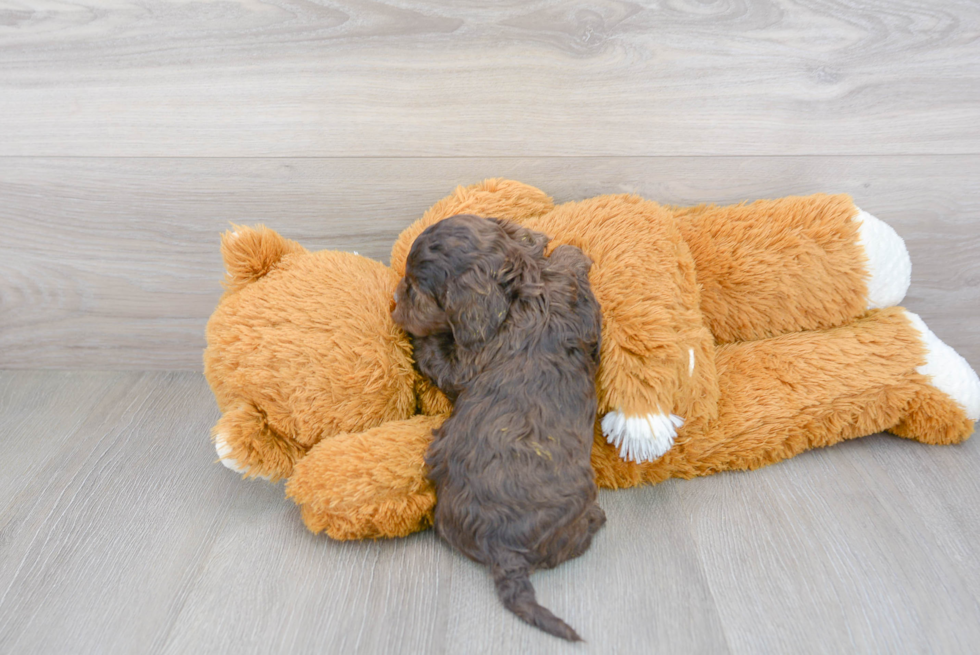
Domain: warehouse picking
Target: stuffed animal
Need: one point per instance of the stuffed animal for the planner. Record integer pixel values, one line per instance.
(733, 337)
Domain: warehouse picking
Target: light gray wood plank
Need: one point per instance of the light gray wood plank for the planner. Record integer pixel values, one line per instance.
(640, 588)
(101, 543)
(114, 263)
(442, 78)
(856, 548)
(129, 538)
(33, 405)
(135, 540)
(270, 586)
(415, 595)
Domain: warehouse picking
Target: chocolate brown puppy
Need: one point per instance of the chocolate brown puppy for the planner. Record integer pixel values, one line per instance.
(512, 338)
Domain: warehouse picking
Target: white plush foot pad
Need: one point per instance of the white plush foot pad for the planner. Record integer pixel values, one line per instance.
(888, 261)
(224, 450)
(950, 373)
(641, 438)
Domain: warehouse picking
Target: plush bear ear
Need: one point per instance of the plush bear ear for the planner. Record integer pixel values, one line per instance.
(251, 252)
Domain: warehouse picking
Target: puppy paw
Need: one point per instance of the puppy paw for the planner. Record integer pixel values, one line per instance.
(889, 266)
(948, 371)
(224, 453)
(641, 438)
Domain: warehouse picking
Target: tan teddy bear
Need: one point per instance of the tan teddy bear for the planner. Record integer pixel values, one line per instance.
(733, 337)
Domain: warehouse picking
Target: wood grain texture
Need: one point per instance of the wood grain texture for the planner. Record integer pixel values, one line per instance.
(114, 263)
(119, 533)
(447, 78)
(132, 133)
(100, 544)
(831, 536)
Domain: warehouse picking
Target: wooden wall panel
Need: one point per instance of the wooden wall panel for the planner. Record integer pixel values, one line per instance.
(446, 78)
(114, 263)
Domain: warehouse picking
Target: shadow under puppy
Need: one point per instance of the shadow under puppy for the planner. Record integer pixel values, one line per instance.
(512, 338)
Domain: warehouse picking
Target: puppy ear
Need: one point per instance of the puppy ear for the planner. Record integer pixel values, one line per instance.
(530, 242)
(523, 255)
(476, 306)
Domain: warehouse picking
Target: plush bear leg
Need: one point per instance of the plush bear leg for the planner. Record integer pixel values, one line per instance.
(798, 263)
(787, 394)
(370, 484)
(948, 376)
(247, 445)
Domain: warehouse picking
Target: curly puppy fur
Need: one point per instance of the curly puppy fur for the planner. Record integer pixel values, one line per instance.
(512, 338)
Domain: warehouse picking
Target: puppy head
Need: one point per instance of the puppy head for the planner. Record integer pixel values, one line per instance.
(462, 274)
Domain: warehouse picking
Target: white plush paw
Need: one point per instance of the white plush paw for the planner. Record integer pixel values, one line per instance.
(224, 452)
(641, 438)
(950, 373)
(889, 265)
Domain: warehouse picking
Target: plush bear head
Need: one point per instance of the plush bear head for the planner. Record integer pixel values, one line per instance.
(302, 347)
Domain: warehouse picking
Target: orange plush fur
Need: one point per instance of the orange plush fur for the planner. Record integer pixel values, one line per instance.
(749, 321)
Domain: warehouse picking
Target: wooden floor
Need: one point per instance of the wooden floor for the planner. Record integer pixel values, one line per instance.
(132, 133)
(118, 534)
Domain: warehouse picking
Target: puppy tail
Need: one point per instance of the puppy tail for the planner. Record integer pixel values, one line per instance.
(251, 252)
(511, 575)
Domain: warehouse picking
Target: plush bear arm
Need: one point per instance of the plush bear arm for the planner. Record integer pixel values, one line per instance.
(494, 198)
(657, 358)
(794, 392)
(369, 484)
(432, 402)
(247, 444)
